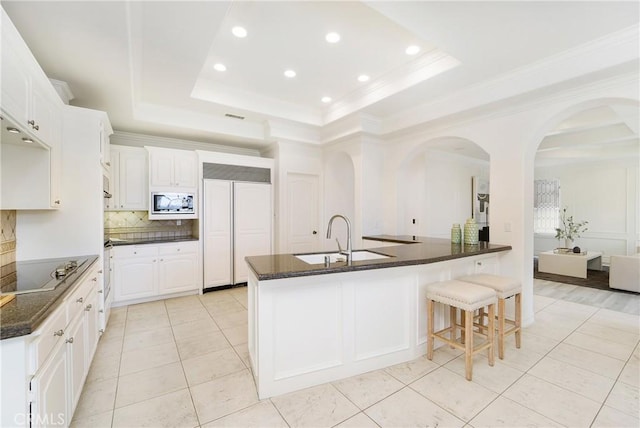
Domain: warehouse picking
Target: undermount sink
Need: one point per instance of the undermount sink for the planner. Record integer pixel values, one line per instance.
(318, 259)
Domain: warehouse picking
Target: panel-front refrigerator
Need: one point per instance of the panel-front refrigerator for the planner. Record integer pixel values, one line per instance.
(237, 223)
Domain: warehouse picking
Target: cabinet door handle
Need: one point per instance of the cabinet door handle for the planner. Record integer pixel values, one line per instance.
(31, 122)
(80, 300)
(57, 202)
(69, 340)
(36, 127)
(315, 232)
(100, 291)
(94, 279)
(100, 271)
(58, 333)
(88, 308)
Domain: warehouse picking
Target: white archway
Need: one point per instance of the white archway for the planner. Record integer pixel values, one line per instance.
(433, 184)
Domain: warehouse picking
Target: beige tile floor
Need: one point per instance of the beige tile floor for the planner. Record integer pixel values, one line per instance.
(184, 363)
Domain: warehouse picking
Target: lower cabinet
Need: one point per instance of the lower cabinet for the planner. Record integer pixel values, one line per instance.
(49, 390)
(54, 360)
(155, 270)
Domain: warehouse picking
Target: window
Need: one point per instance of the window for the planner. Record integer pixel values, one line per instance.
(546, 205)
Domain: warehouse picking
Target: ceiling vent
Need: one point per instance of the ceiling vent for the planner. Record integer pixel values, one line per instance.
(234, 116)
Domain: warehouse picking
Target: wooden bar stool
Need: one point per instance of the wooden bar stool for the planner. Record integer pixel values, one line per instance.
(468, 298)
(505, 288)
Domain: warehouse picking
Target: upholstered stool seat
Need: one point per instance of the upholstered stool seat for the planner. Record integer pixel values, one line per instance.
(505, 288)
(467, 297)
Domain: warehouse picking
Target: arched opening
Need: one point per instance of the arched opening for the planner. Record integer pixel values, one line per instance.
(587, 161)
(339, 191)
(435, 187)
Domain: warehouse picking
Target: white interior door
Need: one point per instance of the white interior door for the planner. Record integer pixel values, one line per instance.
(302, 213)
(217, 233)
(252, 225)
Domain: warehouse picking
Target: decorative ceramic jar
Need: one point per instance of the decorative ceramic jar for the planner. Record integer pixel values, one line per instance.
(456, 234)
(471, 232)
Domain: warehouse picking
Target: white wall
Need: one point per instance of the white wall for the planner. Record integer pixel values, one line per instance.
(606, 194)
(434, 188)
(77, 227)
(511, 137)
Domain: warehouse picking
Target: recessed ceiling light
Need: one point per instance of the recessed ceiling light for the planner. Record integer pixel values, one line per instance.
(332, 37)
(220, 67)
(13, 130)
(239, 31)
(326, 99)
(363, 78)
(290, 73)
(27, 140)
(412, 50)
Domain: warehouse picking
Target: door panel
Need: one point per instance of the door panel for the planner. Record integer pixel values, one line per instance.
(252, 225)
(302, 210)
(217, 233)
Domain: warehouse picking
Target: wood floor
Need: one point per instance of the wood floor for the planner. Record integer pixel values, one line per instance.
(614, 300)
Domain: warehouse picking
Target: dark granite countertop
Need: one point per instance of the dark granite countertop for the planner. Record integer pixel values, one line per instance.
(24, 314)
(139, 241)
(400, 239)
(424, 251)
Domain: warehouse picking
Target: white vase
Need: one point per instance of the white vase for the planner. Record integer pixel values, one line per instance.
(568, 243)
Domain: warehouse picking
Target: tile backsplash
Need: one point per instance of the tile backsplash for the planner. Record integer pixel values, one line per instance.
(136, 225)
(7, 249)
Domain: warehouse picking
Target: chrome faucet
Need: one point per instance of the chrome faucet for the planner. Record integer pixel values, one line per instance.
(348, 253)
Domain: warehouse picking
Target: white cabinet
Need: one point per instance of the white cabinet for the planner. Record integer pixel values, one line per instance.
(30, 104)
(43, 373)
(178, 268)
(172, 169)
(135, 273)
(237, 223)
(27, 95)
(154, 270)
(129, 174)
(49, 388)
(105, 146)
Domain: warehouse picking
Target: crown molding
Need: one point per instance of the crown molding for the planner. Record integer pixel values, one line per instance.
(607, 52)
(63, 90)
(425, 67)
(140, 140)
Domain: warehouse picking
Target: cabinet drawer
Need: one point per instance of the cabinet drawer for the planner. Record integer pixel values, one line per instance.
(126, 251)
(178, 248)
(76, 301)
(47, 336)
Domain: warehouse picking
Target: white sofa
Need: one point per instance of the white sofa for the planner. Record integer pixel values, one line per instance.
(624, 272)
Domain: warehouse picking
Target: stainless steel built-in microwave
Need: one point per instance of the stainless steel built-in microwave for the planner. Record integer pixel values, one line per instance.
(170, 205)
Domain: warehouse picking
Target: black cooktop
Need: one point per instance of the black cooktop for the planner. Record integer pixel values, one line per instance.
(42, 275)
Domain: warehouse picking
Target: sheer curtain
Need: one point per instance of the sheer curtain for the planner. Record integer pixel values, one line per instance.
(546, 206)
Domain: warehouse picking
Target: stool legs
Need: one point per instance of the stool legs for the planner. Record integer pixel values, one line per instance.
(518, 320)
(501, 319)
(430, 337)
(468, 344)
(491, 333)
(453, 322)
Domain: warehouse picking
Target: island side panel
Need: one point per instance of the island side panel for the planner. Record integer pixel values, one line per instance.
(306, 331)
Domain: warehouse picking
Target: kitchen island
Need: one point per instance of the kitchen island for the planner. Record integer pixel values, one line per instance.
(316, 323)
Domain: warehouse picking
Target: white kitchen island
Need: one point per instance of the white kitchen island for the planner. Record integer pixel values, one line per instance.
(311, 324)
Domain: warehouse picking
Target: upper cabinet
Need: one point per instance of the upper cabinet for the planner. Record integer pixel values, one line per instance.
(105, 146)
(172, 169)
(28, 98)
(129, 176)
(31, 112)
